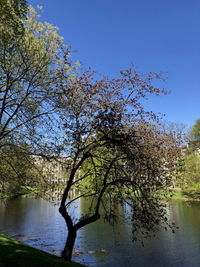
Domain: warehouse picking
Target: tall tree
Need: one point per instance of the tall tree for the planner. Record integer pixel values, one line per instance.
(27, 70)
(118, 153)
(30, 57)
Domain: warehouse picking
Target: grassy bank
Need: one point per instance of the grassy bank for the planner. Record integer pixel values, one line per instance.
(28, 190)
(186, 194)
(190, 193)
(22, 190)
(16, 254)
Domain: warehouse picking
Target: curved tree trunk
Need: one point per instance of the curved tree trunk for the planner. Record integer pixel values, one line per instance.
(69, 245)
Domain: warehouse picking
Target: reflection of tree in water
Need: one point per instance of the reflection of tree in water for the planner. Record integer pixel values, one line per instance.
(14, 210)
(102, 233)
(189, 215)
(54, 194)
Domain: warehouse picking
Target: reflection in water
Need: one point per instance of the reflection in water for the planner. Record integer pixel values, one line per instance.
(38, 223)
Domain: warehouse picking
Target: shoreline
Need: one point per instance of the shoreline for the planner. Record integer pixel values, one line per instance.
(177, 193)
(16, 253)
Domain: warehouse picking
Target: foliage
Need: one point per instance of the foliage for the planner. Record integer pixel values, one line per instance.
(17, 170)
(196, 130)
(119, 154)
(27, 69)
(190, 171)
(189, 165)
(31, 54)
(11, 14)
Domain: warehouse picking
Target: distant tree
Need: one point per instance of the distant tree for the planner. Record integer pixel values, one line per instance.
(182, 132)
(189, 163)
(118, 152)
(190, 171)
(196, 130)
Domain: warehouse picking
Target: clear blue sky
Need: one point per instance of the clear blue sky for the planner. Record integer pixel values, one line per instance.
(154, 35)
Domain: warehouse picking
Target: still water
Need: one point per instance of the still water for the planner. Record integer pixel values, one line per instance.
(38, 223)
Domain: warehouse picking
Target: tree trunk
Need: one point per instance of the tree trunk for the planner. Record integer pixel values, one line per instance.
(67, 251)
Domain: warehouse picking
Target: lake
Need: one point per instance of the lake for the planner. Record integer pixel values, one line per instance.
(38, 223)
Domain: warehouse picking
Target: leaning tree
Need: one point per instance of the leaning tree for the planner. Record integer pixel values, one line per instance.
(119, 154)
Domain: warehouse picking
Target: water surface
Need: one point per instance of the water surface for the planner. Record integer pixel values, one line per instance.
(38, 223)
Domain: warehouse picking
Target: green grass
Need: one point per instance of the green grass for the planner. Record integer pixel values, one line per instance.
(23, 190)
(16, 254)
(186, 194)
